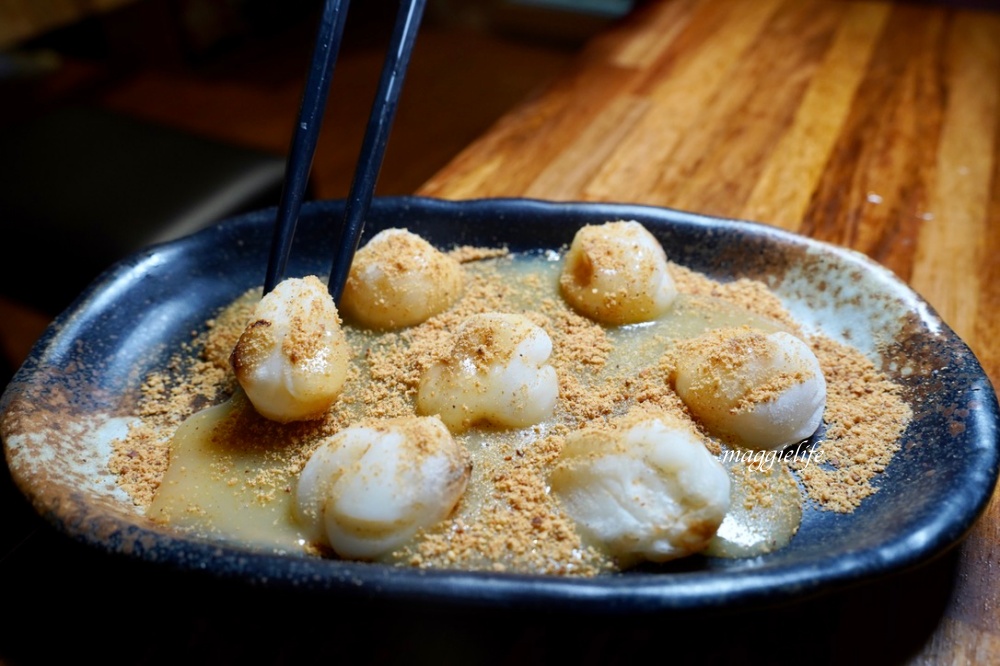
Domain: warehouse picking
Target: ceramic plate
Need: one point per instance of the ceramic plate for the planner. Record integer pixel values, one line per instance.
(66, 404)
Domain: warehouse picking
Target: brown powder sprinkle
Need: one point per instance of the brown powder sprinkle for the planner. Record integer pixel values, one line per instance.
(465, 254)
(748, 294)
(865, 416)
(306, 334)
(519, 528)
(508, 521)
(186, 385)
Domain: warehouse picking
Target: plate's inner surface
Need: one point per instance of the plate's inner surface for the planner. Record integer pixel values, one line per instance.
(73, 396)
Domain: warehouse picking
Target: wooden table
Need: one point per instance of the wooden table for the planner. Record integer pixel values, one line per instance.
(872, 125)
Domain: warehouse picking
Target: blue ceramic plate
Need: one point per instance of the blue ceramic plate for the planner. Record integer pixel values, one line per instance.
(68, 402)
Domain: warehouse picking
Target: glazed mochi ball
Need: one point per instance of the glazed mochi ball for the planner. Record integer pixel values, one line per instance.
(495, 373)
(616, 273)
(398, 279)
(292, 358)
(368, 489)
(648, 490)
(756, 390)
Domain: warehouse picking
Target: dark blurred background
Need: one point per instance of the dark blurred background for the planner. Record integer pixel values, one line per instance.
(126, 122)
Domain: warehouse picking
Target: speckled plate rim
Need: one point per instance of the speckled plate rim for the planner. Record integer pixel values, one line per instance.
(947, 488)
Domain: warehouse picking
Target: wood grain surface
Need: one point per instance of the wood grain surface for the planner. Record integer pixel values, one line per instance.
(868, 125)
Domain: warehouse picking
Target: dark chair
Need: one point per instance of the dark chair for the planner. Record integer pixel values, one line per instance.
(83, 187)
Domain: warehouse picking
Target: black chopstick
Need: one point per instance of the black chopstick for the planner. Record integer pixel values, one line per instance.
(383, 111)
(300, 157)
